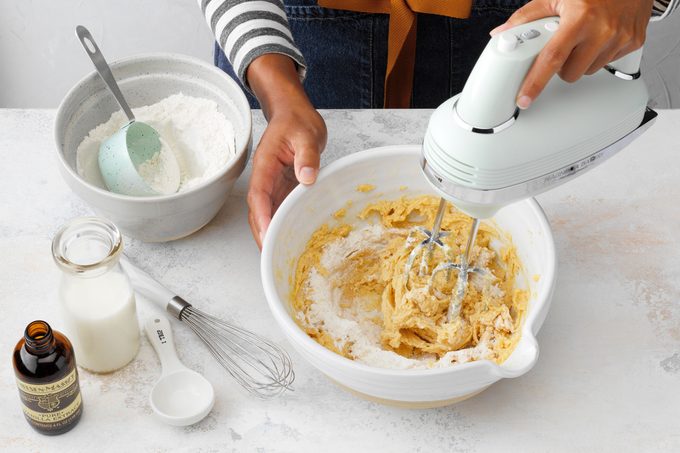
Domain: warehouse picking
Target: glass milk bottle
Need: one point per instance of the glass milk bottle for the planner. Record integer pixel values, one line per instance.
(96, 297)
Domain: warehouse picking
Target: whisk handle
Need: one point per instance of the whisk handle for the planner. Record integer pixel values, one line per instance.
(151, 289)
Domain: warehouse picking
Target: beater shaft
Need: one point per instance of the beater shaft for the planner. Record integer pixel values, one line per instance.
(463, 269)
(438, 218)
(461, 284)
(434, 235)
(432, 239)
(471, 240)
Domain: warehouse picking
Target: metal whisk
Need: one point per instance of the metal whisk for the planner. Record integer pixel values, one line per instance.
(258, 365)
(432, 239)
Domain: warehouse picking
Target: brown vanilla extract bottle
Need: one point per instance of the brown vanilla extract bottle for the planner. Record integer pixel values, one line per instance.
(46, 374)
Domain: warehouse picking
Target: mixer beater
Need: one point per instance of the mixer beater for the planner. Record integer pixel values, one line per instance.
(433, 239)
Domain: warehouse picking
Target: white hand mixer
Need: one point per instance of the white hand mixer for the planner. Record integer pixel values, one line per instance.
(481, 153)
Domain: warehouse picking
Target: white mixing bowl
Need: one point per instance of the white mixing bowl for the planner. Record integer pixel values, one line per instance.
(144, 80)
(389, 169)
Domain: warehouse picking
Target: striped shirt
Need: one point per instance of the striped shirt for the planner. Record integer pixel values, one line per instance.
(662, 8)
(247, 29)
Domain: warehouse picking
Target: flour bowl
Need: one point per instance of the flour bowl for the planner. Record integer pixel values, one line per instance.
(389, 169)
(147, 79)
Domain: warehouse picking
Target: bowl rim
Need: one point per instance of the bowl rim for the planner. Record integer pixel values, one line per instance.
(241, 102)
(292, 329)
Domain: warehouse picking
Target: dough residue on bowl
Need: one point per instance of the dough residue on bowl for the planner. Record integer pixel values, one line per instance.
(351, 294)
(199, 135)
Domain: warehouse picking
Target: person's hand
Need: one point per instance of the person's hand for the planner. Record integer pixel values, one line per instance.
(291, 145)
(288, 153)
(592, 33)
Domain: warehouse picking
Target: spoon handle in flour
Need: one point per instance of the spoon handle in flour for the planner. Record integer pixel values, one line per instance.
(102, 67)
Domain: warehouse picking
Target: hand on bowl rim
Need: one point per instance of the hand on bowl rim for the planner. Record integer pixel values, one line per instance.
(290, 148)
(287, 154)
(592, 33)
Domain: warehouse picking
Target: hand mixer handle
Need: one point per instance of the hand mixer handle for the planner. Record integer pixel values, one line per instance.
(488, 99)
(489, 96)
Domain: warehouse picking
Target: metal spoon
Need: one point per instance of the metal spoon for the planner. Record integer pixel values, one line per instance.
(122, 154)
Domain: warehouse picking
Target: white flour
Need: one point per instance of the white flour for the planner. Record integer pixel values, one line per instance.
(370, 236)
(161, 171)
(355, 326)
(199, 135)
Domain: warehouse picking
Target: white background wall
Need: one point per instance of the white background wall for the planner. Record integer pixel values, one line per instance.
(40, 57)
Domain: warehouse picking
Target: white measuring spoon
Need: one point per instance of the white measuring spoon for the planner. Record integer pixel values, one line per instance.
(181, 397)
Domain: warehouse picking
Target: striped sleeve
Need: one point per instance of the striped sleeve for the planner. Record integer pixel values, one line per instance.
(663, 8)
(247, 29)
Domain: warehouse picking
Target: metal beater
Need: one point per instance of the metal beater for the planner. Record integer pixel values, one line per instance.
(258, 365)
(432, 239)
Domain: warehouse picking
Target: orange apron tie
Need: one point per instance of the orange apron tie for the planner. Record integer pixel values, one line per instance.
(401, 44)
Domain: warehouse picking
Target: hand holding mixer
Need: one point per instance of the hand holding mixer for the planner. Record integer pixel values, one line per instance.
(481, 153)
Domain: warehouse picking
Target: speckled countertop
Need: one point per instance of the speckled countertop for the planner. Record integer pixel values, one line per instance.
(608, 378)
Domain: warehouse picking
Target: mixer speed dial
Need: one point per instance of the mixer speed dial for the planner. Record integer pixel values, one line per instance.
(507, 42)
(530, 34)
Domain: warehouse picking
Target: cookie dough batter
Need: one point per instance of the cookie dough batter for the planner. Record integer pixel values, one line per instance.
(351, 294)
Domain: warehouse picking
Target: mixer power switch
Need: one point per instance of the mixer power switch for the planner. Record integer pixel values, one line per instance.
(507, 42)
(530, 34)
(552, 26)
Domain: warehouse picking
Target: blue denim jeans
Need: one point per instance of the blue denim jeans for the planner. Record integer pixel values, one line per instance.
(346, 52)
